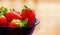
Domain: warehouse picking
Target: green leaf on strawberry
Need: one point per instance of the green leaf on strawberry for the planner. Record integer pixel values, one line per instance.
(25, 22)
(25, 6)
(3, 11)
(18, 23)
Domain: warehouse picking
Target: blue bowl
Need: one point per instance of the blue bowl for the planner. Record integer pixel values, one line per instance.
(18, 31)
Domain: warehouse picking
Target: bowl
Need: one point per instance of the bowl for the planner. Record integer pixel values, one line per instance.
(5, 30)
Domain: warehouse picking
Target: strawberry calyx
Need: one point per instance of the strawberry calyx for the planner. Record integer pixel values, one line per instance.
(16, 21)
(12, 9)
(3, 11)
(26, 8)
(25, 21)
(20, 23)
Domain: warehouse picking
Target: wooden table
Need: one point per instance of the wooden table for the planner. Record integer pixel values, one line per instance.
(37, 29)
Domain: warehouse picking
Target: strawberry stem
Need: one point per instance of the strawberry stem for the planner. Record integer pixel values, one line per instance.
(10, 10)
(25, 6)
(13, 9)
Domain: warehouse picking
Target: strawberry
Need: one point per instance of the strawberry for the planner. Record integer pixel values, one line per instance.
(13, 15)
(27, 13)
(3, 21)
(15, 23)
(18, 23)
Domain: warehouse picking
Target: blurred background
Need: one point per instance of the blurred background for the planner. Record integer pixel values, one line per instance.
(18, 4)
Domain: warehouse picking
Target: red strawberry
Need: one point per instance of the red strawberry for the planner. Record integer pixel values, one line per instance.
(18, 23)
(27, 13)
(13, 15)
(3, 21)
(14, 23)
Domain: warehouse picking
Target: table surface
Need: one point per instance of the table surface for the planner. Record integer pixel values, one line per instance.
(36, 31)
(50, 13)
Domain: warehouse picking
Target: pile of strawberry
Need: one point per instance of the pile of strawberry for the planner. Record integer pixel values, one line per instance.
(14, 18)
